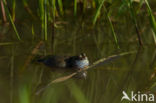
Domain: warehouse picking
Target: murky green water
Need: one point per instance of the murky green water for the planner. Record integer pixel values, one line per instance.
(104, 84)
(20, 78)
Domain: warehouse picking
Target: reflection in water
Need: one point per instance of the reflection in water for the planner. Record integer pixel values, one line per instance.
(104, 82)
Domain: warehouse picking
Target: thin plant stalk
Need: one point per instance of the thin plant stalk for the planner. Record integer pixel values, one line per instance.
(60, 6)
(43, 16)
(26, 6)
(133, 15)
(12, 76)
(33, 31)
(45, 20)
(152, 20)
(11, 20)
(75, 7)
(13, 10)
(112, 29)
(77, 93)
(6, 43)
(53, 9)
(3, 12)
(53, 25)
(41, 8)
(98, 12)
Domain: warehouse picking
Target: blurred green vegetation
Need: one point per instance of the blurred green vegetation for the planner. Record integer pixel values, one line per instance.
(50, 13)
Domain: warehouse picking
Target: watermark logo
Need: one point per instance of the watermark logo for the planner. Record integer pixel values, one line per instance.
(139, 97)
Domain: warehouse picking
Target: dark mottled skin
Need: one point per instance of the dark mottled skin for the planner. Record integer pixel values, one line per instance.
(70, 62)
(53, 61)
(61, 62)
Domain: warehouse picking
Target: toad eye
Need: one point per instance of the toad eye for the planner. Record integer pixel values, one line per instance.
(80, 56)
(83, 55)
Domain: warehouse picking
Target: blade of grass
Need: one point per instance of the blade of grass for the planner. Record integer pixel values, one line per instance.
(84, 5)
(43, 17)
(12, 76)
(60, 6)
(152, 20)
(154, 36)
(26, 6)
(7, 43)
(13, 10)
(24, 94)
(75, 7)
(112, 29)
(45, 20)
(32, 31)
(41, 8)
(53, 9)
(111, 25)
(134, 19)
(53, 42)
(98, 12)
(77, 93)
(11, 20)
(3, 12)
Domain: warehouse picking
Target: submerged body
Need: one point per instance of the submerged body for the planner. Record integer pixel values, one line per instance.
(74, 62)
(78, 62)
(53, 61)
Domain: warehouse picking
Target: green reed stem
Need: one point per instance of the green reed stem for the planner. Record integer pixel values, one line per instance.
(3, 12)
(11, 20)
(75, 7)
(27, 8)
(111, 25)
(12, 76)
(134, 19)
(98, 12)
(6, 43)
(53, 9)
(41, 7)
(45, 20)
(152, 19)
(33, 31)
(43, 17)
(60, 4)
(112, 29)
(77, 93)
(13, 9)
(24, 94)
(84, 5)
